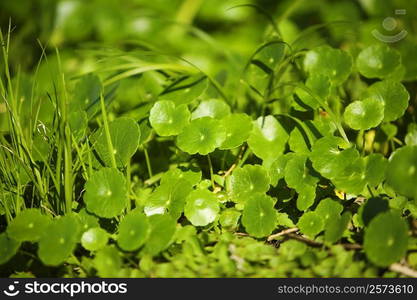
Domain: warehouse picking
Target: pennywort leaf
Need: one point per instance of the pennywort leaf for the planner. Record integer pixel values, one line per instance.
(386, 239)
(201, 207)
(168, 119)
(201, 136)
(259, 216)
(106, 194)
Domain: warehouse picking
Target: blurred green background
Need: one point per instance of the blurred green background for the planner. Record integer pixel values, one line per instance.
(198, 30)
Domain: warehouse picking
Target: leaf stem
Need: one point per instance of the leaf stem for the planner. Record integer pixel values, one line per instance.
(107, 131)
(211, 171)
(148, 162)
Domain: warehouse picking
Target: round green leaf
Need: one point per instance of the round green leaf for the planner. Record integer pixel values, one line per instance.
(284, 220)
(318, 87)
(351, 179)
(268, 138)
(169, 197)
(213, 108)
(8, 248)
(201, 208)
(302, 178)
(134, 229)
(327, 157)
(336, 64)
(29, 225)
(201, 136)
(371, 208)
(298, 175)
(108, 262)
(192, 175)
(270, 54)
(59, 240)
(394, 96)
(167, 119)
(386, 239)
(247, 180)
(238, 128)
(94, 239)
(277, 169)
(259, 215)
(306, 197)
(106, 194)
(87, 220)
(328, 209)
(336, 226)
(310, 224)
(125, 137)
(376, 165)
(378, 61)
(163, 228)
(186, 90)
(402, 171)
(229, 218)
(363, 115)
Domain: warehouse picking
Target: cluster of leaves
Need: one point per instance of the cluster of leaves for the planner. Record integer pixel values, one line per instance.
(301, 162)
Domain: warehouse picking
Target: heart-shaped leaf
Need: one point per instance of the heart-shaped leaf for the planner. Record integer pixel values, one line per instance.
(201, 136)
(201, 208)
(106, 194)
(167, 119)
(386, 239)
(363, 115)
(378, 61)
(134, 229)
(259, 215)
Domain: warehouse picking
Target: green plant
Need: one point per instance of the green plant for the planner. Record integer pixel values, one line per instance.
(261, 148)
